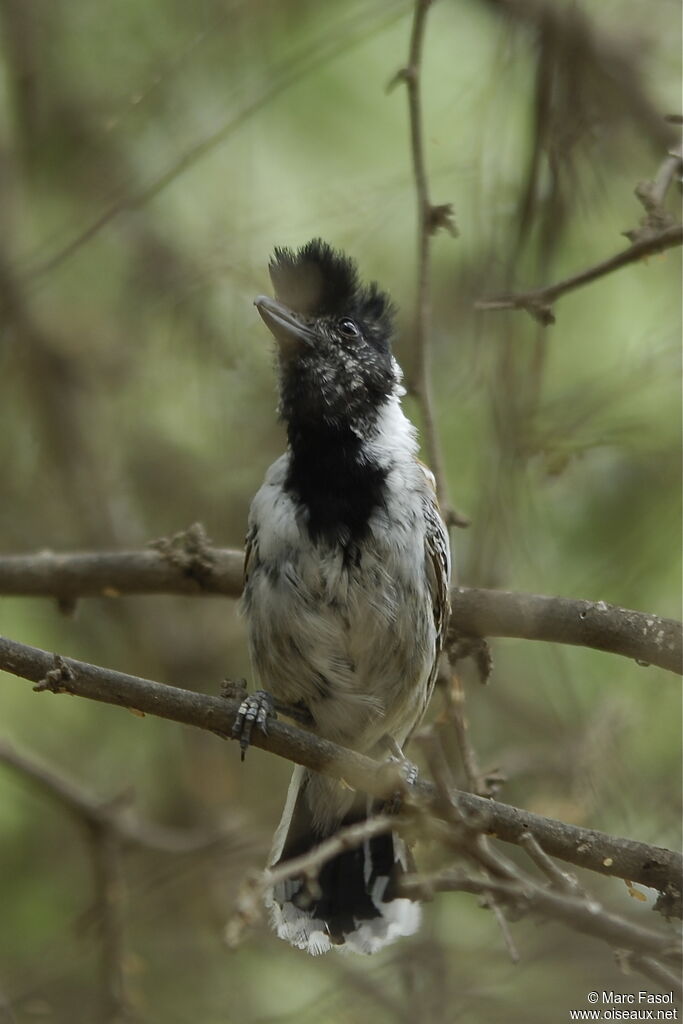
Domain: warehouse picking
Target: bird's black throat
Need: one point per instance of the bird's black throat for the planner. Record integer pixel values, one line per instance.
(338, 483)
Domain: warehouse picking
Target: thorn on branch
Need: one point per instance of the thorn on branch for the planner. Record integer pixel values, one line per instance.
(406, 74)
(452, 517)
(56, 678)
(542, 312)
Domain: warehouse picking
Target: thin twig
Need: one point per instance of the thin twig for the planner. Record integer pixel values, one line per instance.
(584, 915)
(646, 638)
(560, 879)
(457, 717)
(538, 302)
(464, 839)
(669, 980)
(651, 194)
(110, 889)
(609, 855)
(429, 219)
(111, 814)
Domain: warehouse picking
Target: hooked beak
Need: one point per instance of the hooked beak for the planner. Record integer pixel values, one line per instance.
(290, 333)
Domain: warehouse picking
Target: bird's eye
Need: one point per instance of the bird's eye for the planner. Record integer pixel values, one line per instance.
(348, 328)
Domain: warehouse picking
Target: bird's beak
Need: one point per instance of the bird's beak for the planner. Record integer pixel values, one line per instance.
(288, 329)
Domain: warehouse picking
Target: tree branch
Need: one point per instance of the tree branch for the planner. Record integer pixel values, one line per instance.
(648, 639)
(538, 302)
(112, 815)
(624, 858)
(584, 915)
(187, 565)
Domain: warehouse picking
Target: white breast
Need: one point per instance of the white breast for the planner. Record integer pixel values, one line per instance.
(348, 632)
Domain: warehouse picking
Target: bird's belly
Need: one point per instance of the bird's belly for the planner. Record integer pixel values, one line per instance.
(352, 640)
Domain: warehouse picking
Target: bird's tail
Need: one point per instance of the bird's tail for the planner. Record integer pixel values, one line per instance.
(355, 903)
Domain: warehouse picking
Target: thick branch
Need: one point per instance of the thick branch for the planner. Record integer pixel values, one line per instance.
(538, 302)
(648, 639)
(486, 613)
(111, 574)
(624, 858)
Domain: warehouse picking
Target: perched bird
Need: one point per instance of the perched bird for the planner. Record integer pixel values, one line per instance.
(346, 585)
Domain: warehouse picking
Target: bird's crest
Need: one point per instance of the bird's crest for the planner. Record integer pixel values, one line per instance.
(317, 280)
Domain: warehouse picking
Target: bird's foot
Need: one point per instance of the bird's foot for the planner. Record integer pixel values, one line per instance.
(408, 773)
(255, 710)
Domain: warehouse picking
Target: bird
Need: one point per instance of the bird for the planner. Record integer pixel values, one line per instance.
(346, 602)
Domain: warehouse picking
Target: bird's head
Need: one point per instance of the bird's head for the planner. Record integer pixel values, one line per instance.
(333, 337)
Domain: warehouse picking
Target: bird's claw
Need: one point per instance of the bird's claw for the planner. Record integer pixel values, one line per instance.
(409, 773)
(255, 710)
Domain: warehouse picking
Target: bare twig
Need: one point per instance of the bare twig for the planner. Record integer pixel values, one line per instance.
(670, 980)
(560, 879)
(429, 219)
(649, 639)
(623, 858)
(457, 717)
(110, 814)
(110, 892)
(538, 302)
(652, 195)
(656, 233)
(583, 915)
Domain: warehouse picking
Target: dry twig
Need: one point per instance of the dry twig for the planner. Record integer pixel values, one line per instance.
(539, 301)
(656, 233)
(584, 915)
(430, 219)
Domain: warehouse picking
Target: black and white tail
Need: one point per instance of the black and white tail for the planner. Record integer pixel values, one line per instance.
(356, 905)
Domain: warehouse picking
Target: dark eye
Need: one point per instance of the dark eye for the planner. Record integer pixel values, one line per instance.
(348, 328)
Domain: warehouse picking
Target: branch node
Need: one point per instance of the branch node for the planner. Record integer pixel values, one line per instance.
(56, 678)
(452, 517)
(190, 551)
(542, 312)
(67, 606)
(406, 74)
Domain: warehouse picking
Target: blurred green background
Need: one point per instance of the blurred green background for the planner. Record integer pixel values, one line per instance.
(151, 156)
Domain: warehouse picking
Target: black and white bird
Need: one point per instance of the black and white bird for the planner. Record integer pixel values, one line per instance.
(346, 585)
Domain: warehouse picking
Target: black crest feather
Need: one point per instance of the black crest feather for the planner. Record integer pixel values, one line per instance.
(317, 280)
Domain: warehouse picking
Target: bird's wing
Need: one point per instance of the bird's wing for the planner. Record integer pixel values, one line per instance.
(437, 568)
(250, 550)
